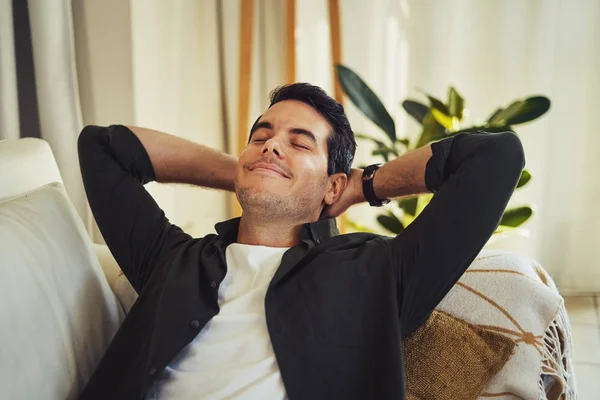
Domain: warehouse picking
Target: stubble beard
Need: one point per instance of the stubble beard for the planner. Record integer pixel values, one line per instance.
(270, 206)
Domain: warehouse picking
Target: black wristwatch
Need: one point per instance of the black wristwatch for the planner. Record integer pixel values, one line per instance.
(367, 185)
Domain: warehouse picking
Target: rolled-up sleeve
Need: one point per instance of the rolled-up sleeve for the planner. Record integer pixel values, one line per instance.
(115, 166)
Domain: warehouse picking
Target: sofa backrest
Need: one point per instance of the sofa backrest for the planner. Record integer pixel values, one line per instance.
(57, 311)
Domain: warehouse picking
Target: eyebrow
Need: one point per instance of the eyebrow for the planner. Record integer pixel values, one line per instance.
(296, 131)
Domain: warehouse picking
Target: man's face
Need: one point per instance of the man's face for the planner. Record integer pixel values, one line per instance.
(282, 172)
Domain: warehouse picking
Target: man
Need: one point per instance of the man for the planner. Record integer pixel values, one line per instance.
(277, 304)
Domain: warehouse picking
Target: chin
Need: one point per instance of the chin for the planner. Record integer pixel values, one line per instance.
(266, 184)
(258, 192)
(264, 193)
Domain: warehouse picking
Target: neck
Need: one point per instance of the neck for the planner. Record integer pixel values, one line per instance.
(258, 231)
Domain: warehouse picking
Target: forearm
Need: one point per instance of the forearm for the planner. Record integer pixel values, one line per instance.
(177, 160)
(417, 172)
(403, 176)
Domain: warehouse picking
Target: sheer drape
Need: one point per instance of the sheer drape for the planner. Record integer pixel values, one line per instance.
(158, 66)
(39, 95)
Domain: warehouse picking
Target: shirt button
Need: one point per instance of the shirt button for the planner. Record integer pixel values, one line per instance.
(195, 323)
(317, 241)
(152, 371)
(213, 284)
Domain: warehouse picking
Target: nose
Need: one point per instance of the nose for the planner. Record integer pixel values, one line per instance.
(272, 146)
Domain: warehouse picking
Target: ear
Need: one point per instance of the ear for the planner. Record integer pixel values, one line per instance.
(335, 187)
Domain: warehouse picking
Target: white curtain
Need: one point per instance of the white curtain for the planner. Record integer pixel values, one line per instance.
(9, 105)
(57, 91)
(58, 110)
(492, 52)
(156, 64)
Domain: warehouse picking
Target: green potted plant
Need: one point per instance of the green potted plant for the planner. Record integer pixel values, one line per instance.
(439, 120)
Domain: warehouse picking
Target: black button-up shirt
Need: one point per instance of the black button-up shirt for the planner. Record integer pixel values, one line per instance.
(337, 306)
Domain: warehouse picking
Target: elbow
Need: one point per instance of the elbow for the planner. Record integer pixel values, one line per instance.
(509, 149)
(90, 143)
(86, 136)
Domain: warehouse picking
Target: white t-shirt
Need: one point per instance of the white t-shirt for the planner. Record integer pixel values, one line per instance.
(232, 357)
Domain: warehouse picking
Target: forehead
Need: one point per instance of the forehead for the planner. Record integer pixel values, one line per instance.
(289, 114)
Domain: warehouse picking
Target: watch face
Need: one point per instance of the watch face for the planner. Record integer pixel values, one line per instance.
(380, 203)
(369, 172)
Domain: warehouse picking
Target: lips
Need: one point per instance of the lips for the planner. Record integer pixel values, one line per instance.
(270, 167)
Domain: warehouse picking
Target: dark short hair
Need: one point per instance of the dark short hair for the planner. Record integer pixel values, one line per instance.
(341, 145)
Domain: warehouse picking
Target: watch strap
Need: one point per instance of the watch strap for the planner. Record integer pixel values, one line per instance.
(367, 186)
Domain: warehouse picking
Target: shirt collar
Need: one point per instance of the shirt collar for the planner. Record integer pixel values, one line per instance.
(316, 231)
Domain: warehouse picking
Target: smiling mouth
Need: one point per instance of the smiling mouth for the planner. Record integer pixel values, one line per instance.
(268, 171)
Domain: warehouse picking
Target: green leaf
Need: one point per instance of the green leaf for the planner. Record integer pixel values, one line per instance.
(358, 227)
(391, 223)
(405, 142)
(525, 177)
(423, 201)
(415, 109)
(367, 137)
(409, 205)
(456, 103)
(448, 122)
(442, 115)
(383, 153)
(534, 108)
(436, 103)
(432, 131)
(516, 216)
(366, 100)
(502, 118)
(494, 114)
(381, 149)
(520, 111)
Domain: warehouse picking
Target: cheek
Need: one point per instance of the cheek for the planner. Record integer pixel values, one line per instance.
(312, 174)
(246, 156)
(240, 172)
(316, 167)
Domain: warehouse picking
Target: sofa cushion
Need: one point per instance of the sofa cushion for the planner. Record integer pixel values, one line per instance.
(447, 358)
(57, 310)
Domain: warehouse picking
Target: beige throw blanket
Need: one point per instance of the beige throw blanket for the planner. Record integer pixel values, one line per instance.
(514, 296)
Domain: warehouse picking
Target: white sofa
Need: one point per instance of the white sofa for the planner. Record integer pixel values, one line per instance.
(57, 308)
(63, 298)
